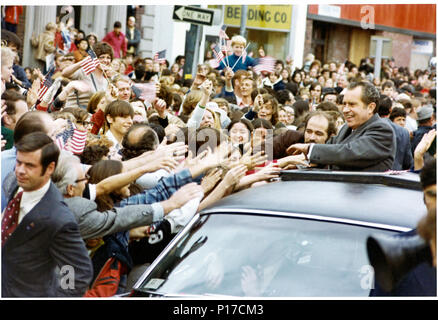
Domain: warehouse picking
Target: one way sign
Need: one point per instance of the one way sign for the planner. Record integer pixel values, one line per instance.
(193, 15)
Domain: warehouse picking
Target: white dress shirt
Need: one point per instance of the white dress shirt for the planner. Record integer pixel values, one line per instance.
(30, 199)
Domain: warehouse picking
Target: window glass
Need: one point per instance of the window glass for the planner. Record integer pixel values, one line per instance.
(246, 255)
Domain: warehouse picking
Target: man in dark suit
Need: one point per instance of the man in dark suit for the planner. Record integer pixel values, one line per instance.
(366, 143)
(403, 156)
(43, 254)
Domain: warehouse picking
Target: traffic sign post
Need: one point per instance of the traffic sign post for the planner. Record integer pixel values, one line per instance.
(193, 15)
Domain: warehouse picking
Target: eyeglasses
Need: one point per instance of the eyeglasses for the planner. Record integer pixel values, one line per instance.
(87, 177)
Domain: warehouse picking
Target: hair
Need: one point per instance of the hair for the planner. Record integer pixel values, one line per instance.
(274, 103)
(91, 35)
(28, 123)
(292, 87)
(94, 101)
(65, 174)
(407, 104)
(146, 139)
(165, 94)
(101, 48)
(100, 171)
(327, 106)
(283, 96)
(388, 84)
(428, 173)
(119, 108)
(331, 128)
(206, 137)
(50, 26)
(239, 75)
(191, 101)
(244, 121)
(93, 153)
(261, 123)
(397, 112)
(159, 130)
(79, 113)
(385, 105)
(238, 40)
(222, 101)
(11, 38)
(370, 94)
(39, 140)
(77, 42)
(117, 24)
(11, 97)
(120, 77)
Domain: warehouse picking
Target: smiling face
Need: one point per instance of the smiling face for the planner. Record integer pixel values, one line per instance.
(207, 120)
(239, 133)
(120, 125)
(238, 49)
(356, 112)
(266, 111)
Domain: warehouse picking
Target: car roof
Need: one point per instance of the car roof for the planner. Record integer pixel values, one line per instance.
(374, 198)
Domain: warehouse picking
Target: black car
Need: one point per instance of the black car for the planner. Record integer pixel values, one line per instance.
(303, 236)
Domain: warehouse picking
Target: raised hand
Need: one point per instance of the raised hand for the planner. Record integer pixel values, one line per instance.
(211, 179)
(161, 106)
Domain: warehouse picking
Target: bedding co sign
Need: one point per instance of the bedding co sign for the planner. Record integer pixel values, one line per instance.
(260, 17)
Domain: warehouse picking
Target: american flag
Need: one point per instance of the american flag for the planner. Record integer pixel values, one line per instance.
(90, 63)
(160, 56)
(244, 54)
(264, 64)
(62, 138)
(72, 139)
(222, 33)
(47, 83)
(218, 55)
(77, 141)
(226, 45)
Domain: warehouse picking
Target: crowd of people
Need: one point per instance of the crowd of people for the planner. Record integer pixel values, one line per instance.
(107, 155)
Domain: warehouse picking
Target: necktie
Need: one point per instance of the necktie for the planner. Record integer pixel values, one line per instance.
(10, 217)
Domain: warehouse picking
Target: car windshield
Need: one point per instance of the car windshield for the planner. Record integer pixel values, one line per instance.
(262, 256)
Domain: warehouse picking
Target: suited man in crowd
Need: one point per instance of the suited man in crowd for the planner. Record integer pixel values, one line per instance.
(403, 156)
(365, 143)
(43, 254)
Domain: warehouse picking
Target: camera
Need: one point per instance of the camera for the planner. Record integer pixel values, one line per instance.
(393, 257)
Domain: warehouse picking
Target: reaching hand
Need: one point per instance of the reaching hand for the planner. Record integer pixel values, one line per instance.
(211, 179)
(161, 106)
(185, 194)
(425, 143)
(234, 175)
(268, 172)
(298, 148)
(207, 88)
(252, 161)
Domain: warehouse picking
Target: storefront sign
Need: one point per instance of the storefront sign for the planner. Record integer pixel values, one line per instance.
(330, 11)
(422, 46)
(260, 16)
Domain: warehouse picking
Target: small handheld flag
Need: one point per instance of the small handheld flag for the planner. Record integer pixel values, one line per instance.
(90, 63)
